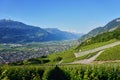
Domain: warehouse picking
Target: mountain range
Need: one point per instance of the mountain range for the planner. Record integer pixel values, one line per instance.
(112, 25)
(18, 32)
(59, 35)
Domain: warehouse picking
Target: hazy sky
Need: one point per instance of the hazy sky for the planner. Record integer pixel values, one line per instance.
(72, 15)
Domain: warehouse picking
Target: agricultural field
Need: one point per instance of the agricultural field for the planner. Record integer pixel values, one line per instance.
(96, 45)
(110, 54)
(61, 72)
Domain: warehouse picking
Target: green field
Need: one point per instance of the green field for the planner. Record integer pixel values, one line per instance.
(87, 56)
(61, 72)
(96, 45)
(110, 54)
(67, 56)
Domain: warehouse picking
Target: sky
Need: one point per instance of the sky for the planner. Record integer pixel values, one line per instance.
(79, 16)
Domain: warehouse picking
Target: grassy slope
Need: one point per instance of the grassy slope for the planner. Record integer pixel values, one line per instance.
(110, 54)
(86, 56)
(68, 55)
(101, 39)
(96, 45)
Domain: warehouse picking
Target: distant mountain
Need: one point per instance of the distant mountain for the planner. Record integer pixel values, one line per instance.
(108, 27)
(18, 32)
(61, 35)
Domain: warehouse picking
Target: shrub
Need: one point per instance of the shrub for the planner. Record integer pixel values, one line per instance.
(58, 58)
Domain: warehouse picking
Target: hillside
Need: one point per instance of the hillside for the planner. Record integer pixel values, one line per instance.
(107, 42)
(18, 32)
(110, 54)
(105, 39)
(101, 38)
(108, 27)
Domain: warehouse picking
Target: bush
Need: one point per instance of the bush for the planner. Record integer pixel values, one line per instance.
(58, 58)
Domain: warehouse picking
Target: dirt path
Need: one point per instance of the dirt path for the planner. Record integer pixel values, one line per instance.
(97, 49)
(109, 61)
(88, 61)
(60, 62)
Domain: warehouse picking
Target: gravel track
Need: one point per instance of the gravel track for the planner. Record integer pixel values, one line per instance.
(96, 49)
(88, 61)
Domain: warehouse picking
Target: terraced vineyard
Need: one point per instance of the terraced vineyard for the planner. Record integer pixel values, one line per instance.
(96, 45)
(62, 72)
(110, 54)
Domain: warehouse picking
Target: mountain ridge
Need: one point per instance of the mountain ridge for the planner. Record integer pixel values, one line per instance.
(15, 32)
(109, 26)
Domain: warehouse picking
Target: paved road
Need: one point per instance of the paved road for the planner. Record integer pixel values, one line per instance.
(97, 49)
(88, 61)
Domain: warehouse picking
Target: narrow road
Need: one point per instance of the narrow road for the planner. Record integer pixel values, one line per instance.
(60, 62)
(88, 61)
(97, 49)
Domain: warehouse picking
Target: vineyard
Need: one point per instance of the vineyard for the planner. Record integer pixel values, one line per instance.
(110, 54)
(61, 72)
